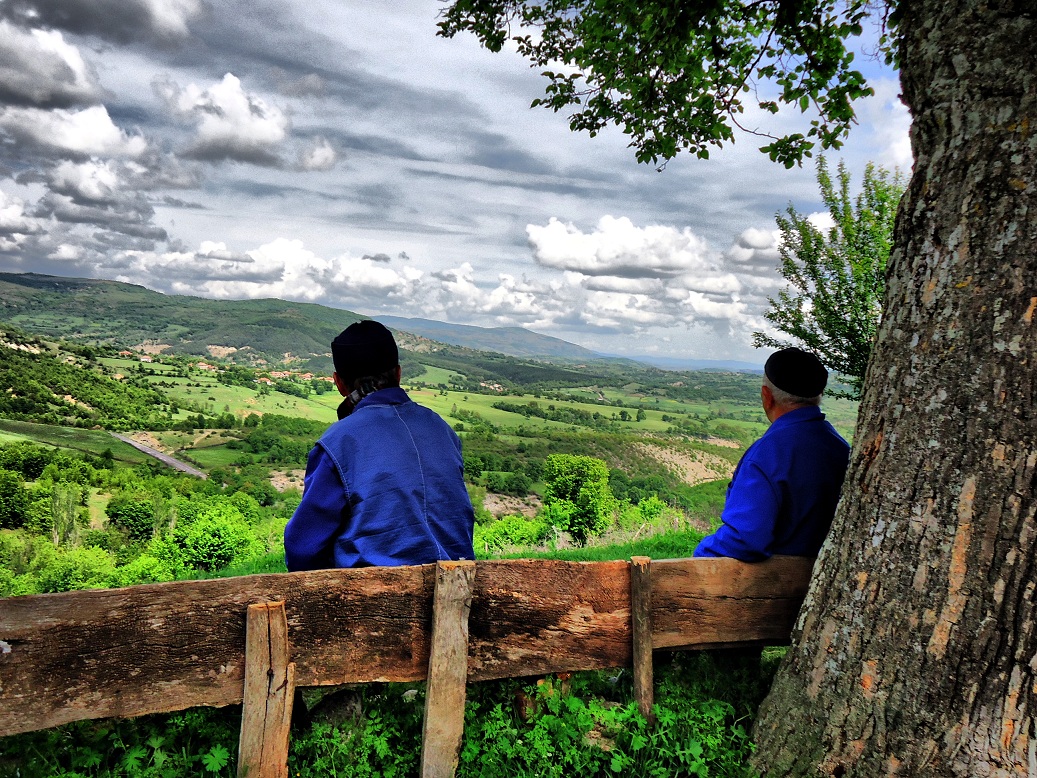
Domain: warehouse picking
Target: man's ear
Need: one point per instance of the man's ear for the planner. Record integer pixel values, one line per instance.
(766, 397)
(340, 384)
(399, 374)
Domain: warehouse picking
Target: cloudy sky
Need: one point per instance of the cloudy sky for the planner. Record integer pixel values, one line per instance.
(341, 153)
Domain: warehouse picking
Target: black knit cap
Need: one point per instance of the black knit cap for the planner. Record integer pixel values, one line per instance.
(365, 348)
(797, 372)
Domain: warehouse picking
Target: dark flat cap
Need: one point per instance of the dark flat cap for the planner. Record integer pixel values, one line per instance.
(797, 372)
(365, 348)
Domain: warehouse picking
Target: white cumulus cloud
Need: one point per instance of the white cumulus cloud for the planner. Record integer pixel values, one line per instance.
(616, 247)
(90, 131)
(321, 155)
(232, 124)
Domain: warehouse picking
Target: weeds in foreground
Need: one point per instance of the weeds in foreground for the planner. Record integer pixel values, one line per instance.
(585, 724)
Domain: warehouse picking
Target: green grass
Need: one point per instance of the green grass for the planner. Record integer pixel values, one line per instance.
(214, 456)
(483, 405)
(82, 440)
(675, 544)
(668, 545)
(432, 375)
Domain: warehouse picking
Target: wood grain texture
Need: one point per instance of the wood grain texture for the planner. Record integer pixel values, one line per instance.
(164, 647)
(443, 725)
(641, 624)
(708, 603)
(269, 692)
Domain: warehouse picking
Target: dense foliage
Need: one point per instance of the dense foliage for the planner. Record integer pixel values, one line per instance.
(152, 527)
(673, 76)
(577, 495)
(39, 384)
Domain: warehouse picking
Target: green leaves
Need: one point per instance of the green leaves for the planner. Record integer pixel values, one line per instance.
(216, 759)
(579, 487)
(836, 277)
(671, 73)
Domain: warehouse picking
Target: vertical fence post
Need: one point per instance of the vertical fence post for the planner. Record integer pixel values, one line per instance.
(447, 669)
(266, 712)
(641, 627)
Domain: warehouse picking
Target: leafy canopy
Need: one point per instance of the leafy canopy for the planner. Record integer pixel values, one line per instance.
(578, 487)
(673, 74)
(837, 276)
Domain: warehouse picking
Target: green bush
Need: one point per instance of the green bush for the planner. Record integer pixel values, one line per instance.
(215, 539)
(78, 568)
(26, 458)
(134, 513)
(144, 569)
(14, 500)
(580, 484)
(510, 530)
(248, 507)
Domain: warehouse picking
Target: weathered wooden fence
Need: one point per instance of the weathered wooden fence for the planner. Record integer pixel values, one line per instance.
(252, 640)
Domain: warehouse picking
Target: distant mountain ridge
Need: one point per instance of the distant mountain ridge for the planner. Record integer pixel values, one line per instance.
(513, 341)
(271, 330)
(678, 363)
(245, 330)
(131, 315)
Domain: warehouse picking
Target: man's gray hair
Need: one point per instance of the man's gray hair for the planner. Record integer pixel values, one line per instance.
(781, 397)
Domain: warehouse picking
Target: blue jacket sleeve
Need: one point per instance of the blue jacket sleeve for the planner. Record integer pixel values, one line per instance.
(748, 519)
(309, 536)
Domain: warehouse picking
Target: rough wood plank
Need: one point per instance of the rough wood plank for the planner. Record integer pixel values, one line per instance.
(163, 647)
(707, 603)
(539, 616)
(269, 691)
(641, 625)
(447, 670)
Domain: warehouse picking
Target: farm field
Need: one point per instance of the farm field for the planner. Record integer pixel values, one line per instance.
(71, 438)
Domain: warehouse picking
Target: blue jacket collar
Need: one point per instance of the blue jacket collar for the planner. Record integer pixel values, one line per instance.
(392, 395)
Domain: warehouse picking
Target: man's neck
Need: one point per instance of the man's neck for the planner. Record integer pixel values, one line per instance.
(777, 411)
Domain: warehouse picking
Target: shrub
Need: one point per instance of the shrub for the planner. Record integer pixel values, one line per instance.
(510, 530)
(78, 568)
(133, 513)
(248, 506)
(25, 458)
(581, 485)
(14, 500)
(215, 539)
(144, 569)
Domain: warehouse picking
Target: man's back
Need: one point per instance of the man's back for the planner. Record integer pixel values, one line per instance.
(784, 491)
(384, 486)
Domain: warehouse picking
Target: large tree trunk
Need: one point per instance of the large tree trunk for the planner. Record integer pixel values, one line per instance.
(916, 653)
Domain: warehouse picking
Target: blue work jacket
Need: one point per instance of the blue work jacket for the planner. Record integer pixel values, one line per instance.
(383, 486)
(783, 494)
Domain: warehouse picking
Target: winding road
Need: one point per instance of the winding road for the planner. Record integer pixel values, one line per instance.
(164, 458)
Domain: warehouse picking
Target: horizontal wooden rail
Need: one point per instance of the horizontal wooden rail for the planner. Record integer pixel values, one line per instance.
(164, 647)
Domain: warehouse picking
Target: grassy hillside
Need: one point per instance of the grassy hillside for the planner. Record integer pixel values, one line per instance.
(40, 381)
(127, 315)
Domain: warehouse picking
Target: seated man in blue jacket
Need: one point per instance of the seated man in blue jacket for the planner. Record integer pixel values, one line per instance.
(384, 484)
(785, 488)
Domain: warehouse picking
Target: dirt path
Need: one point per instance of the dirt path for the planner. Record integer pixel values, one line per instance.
(164, 458)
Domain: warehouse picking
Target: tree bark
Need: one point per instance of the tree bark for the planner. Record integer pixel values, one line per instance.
(915, 653)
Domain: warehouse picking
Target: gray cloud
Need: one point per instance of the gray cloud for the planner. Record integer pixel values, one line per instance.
(115, 21)
(39, 69)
